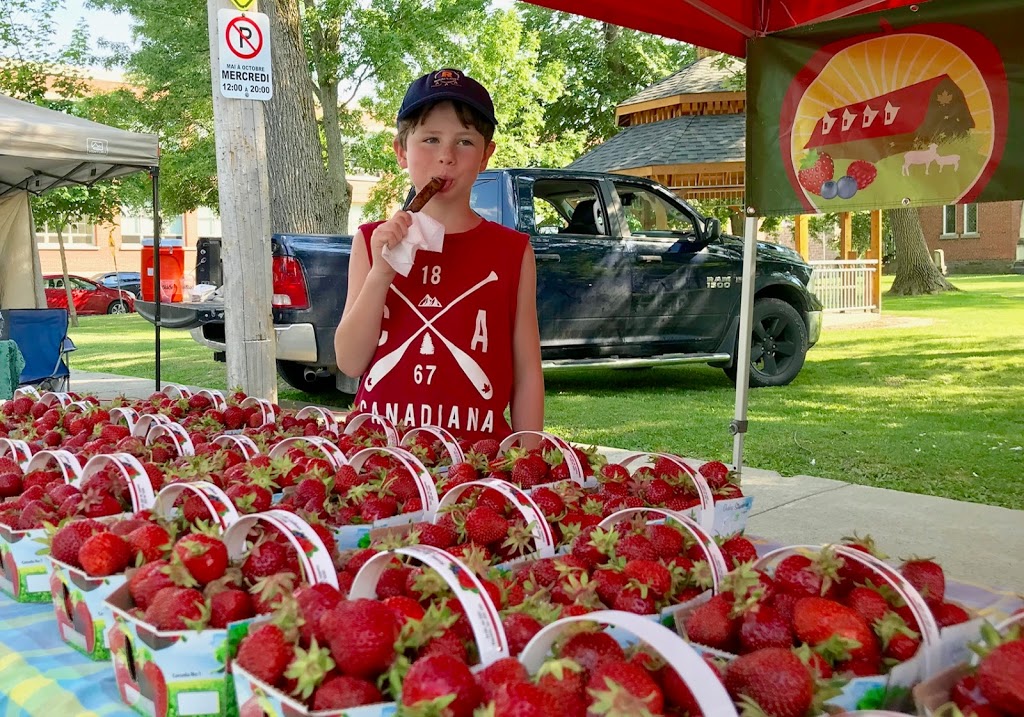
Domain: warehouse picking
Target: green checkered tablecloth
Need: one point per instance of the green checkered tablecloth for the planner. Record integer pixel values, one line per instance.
(11, 365)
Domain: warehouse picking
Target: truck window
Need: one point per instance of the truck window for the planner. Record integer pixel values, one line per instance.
(568, 207)
(484, 199)
(650, 215)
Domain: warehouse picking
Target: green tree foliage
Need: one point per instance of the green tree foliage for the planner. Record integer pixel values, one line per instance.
(602, 65)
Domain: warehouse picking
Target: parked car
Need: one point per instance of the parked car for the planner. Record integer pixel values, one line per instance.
(628, 275)
(89, 297)
(130, 281)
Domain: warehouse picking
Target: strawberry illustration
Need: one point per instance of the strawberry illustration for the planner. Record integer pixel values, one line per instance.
(11, 573)
(158, 688)
(815, 169)
(863, 173)
(83, 624)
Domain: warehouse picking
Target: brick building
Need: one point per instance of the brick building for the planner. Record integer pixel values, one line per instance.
(94, 248)
(976, 238)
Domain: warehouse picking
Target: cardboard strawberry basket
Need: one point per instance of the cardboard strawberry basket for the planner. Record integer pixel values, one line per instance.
(186, 670)
(716, 560)
(451, 450)
(24, 553)
(629, 629)
(574, 469)
(79, 598)
(481, 612)
(357, 536)
(933, 693)
(543, 538)
(903, 675)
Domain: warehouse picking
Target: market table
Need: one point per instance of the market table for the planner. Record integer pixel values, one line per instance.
(41, 676)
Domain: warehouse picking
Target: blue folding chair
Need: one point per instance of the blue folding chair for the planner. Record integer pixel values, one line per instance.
(42, 337)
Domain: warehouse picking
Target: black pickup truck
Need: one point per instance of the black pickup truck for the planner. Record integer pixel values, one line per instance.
(628, 275)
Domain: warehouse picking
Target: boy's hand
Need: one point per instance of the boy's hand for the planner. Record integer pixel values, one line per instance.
(388, 234)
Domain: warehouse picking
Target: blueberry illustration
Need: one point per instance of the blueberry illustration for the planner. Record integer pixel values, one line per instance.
(829, 190)
(847, 187)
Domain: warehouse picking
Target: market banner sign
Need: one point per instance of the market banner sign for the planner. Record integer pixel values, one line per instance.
(912, 107)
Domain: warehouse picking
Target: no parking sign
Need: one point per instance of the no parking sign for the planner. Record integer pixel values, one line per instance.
(245, 72)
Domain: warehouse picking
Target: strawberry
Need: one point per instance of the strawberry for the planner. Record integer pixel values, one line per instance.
(591, 649)
(485, 526)
(667, 541)
(68, 540)
(266, 558)
(523, 699)
(654, 576)
(627, 686)
(10, 484)
(147, 581)
(529, 471)
(148, 543)
(342, 692)
(437, 677)
(104, 554)
(250, 498)
(712, 625)
(774, 679)
(738, 550)
(519, 630)
(764, 627)
(205, 557)
(635, 547)
(438, 536)
(715, 473)
(799, 575)
(486, 447)
(815, 169)
(818, 620)
(927, 578)
(266, 653)
(313, 601)
(949, 613)
(863, 173)
(361, 635)
(175, 608)
(229, 605)
(1001, 677)
(505, 671)
(869, 603)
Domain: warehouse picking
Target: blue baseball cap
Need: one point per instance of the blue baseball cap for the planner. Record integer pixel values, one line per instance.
(447, 84)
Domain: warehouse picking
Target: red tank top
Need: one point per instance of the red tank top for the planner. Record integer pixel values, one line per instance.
(445, 352)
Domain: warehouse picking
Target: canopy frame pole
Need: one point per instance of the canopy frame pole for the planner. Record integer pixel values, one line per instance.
(154, 172)
(738, 427)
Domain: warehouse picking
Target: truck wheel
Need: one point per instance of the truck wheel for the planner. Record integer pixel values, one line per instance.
(778, 344)
(294, 375)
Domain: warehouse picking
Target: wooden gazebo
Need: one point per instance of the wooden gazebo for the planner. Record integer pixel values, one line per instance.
(687, 132)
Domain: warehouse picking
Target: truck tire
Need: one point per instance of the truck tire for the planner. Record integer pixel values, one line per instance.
(294, 375)
(778, 344)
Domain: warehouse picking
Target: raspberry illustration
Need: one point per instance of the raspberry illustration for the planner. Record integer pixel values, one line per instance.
(863, 173)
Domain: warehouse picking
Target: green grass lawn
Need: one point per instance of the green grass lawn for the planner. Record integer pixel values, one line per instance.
(934, 407)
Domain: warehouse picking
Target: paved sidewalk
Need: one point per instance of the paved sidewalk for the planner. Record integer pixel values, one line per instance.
(976, 543)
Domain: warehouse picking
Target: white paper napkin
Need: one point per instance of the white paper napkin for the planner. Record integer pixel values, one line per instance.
(425, 233)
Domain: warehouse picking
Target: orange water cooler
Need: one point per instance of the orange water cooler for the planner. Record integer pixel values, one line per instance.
(172, 269)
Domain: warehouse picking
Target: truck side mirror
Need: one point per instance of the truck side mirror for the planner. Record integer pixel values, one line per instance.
(712, 228)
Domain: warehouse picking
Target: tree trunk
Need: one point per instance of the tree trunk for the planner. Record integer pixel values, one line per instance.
(67, 281)
(298, 178)
(736, 223)
(915, 271)
(323, 43)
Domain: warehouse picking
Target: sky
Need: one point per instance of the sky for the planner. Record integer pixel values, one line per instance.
(102, 24)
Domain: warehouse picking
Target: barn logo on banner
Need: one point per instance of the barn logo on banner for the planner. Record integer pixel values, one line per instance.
(910, 107)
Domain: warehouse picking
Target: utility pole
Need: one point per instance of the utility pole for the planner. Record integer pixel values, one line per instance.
(242, 81)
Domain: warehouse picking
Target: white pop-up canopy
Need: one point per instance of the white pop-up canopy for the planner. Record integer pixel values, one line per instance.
(41, 149)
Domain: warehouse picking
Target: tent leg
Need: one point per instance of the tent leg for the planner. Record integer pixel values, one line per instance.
(155, 174)
(738, 427)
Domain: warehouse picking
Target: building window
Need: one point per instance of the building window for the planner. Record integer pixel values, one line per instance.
(970, 219)
(135, 224)
(949, 219)
(207, 223)
(79, 234)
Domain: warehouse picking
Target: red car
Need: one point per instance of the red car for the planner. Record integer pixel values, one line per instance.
(89, 297)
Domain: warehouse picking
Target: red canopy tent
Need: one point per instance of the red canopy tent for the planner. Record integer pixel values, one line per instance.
(723, 25)
(729, 26)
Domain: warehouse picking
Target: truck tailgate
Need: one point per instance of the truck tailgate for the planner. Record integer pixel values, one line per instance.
(183, 315)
